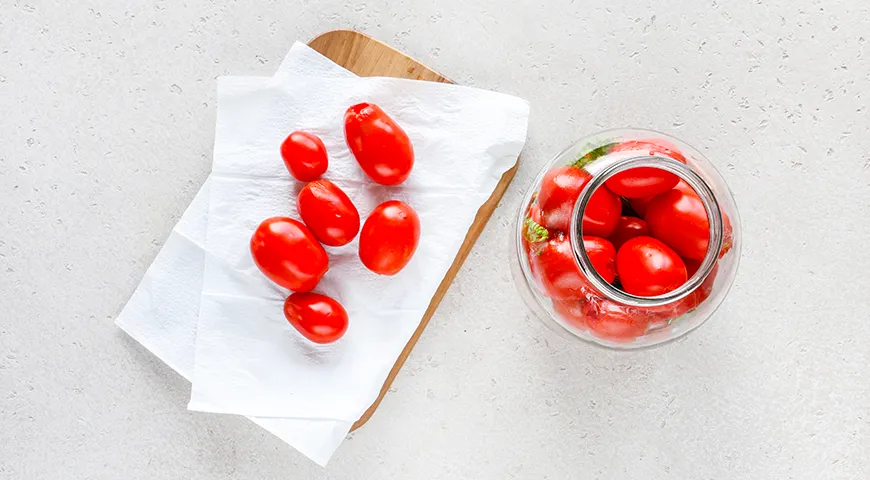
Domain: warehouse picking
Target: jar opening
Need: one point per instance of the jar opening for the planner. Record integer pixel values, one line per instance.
(605, 168)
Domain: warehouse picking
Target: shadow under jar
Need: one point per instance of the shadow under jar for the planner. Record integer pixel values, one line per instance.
(574, 198)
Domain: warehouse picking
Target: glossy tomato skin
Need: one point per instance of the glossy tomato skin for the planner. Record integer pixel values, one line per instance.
(553, 266)
(613, 321)
(644, 181)
(626, 229)
(680, 220)
(687, 304)
(602, 255)
(317, 317)
(571, 311)
(288, 254)
(692, 266)
(380, 146)
(647, 267)
(305, 156)
(328, 212)
(389, 237)
(560, 189)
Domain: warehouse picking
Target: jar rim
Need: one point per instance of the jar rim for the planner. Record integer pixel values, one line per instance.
(606, 167)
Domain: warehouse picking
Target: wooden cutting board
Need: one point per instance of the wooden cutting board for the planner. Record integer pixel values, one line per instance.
(368, 57)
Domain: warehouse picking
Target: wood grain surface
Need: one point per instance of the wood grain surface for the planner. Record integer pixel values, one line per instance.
(368, 57)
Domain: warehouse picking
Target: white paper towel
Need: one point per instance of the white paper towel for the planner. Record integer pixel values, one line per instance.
(249, 359)
(162, 312)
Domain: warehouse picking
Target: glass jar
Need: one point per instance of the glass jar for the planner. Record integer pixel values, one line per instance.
(553, 270)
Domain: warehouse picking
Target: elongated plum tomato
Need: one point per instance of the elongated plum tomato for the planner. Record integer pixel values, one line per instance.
(679, 219)
(560, 189)
(317, 317)
(305, 156)
(553, 266)
(639, 205)
(602, 255)
(626, 229)
(644, 181)
(288, 254)
(380, 146)
(647, 267)
(389, 237)
(328, 213)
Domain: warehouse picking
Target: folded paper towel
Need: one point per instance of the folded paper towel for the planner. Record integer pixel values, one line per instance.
(249, 359)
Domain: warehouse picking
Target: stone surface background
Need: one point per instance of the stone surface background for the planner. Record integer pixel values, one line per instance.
(106, 131)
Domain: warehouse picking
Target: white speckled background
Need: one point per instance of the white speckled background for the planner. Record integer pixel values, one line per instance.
(106, 127)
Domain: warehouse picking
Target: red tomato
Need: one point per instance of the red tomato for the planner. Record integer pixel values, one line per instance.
(626, 229)
(286, 252)
(560, 190)
(647, 267)
(639, 205)
(304, 155)
(680, 220)
(688, 303)
(684, 187)
(602, 255)
(571, 311)
(378, 143)
(727, 229)
(389, 237)
(553, 265)
(614, 321)
(328, 213)
(317, 317)
(644, 181)
(692, 266)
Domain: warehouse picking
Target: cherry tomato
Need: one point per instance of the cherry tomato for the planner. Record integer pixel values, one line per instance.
(602, 255)
(389, 238)
(727, 229)
(328, 213)
(286, 252)
(687, 304)
(571, 311)
(626, 229)
(685, 188)
(304, 155)
(680, 220)
(639, 205)
(647, 267)
(378, 143)
(644, 181)
(692, 266)
(614, 321)
(553, 265)
(560, 190)
(317, 317)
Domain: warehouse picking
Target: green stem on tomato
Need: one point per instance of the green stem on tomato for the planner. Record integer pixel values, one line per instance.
(593, 155)
(534, 232)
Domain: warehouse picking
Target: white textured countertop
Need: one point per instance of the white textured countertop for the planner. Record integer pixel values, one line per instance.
(106, 128)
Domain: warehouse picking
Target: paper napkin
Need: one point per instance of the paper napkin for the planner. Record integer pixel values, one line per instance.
(249, 359)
